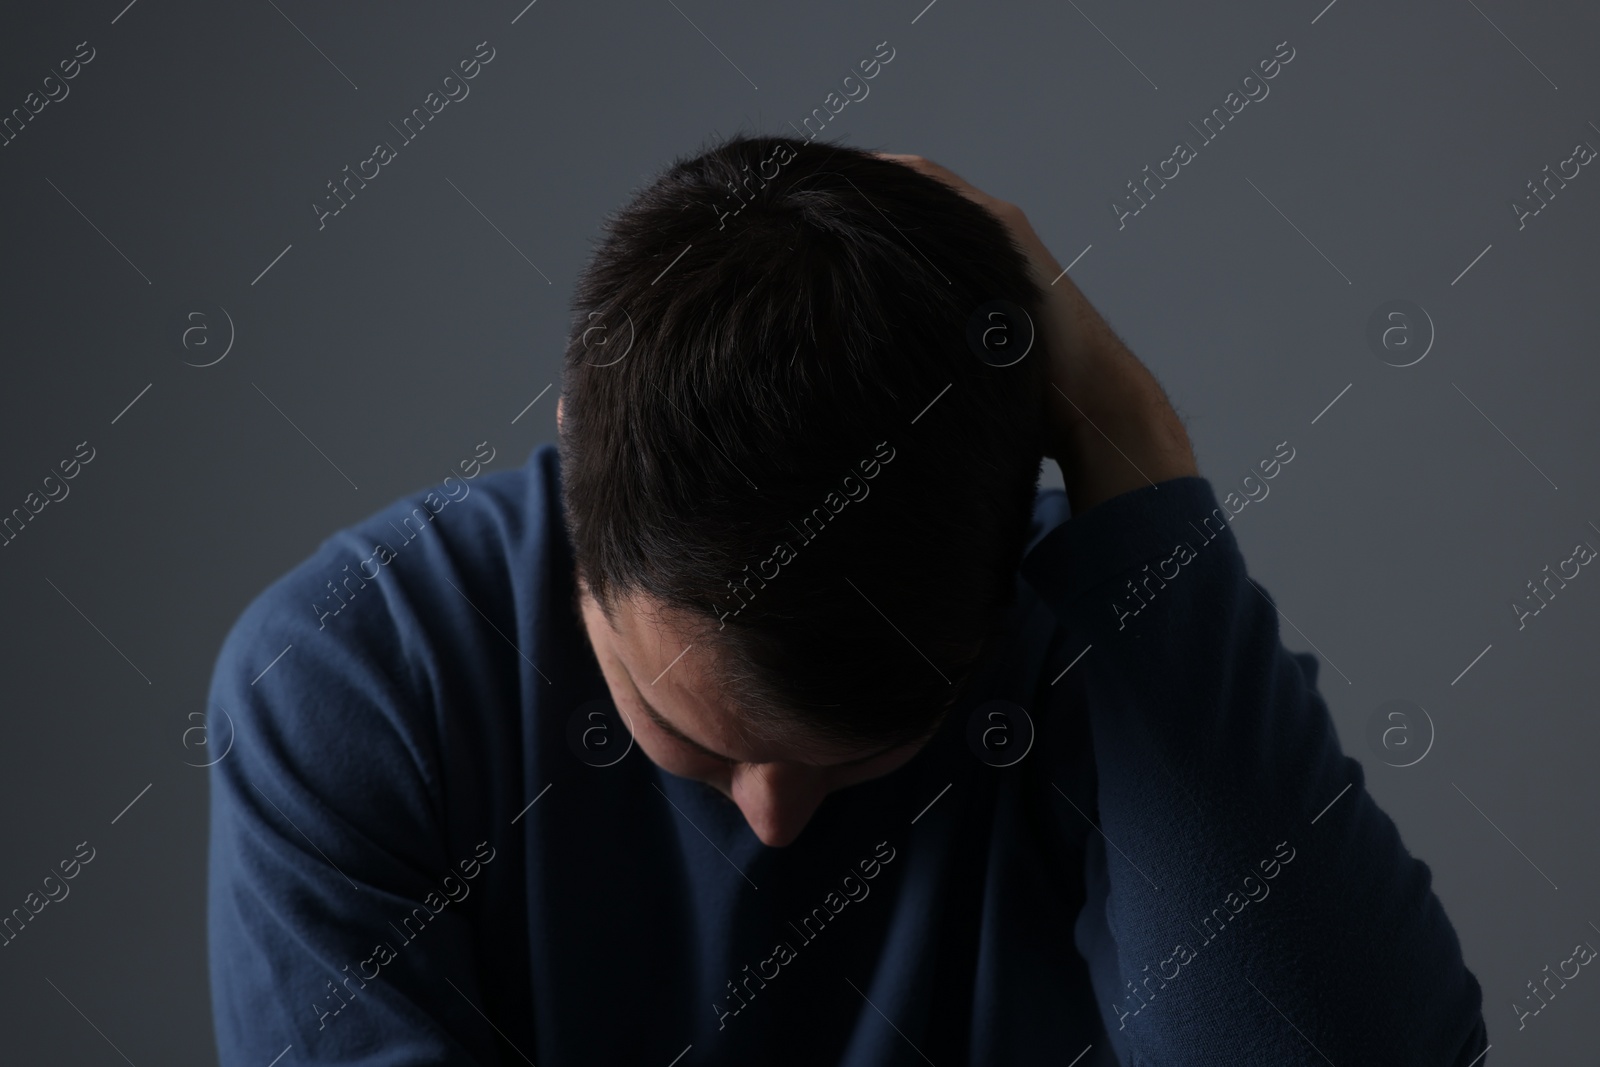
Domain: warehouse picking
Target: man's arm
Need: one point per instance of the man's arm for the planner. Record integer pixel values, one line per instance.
(1248, 902)
(339, 915)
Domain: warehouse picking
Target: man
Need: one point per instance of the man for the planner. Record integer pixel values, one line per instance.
(926, 770)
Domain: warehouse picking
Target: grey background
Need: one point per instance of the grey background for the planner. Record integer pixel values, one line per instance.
(1383, 162)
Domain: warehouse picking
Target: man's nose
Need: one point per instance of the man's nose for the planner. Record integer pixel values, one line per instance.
(778, 799)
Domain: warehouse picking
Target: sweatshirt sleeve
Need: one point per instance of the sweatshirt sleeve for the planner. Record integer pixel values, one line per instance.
(337, 923)
(1247, 900)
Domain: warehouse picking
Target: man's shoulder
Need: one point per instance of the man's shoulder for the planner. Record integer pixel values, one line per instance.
(387, 582)
(364, 700)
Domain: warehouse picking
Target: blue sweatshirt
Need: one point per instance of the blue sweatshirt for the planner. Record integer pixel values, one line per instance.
(1136, 840)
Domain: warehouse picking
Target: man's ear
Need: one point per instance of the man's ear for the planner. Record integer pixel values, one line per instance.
(558, 414)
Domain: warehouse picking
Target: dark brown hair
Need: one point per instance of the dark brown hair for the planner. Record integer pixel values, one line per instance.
(756, 326)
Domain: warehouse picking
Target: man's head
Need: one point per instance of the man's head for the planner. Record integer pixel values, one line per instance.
(795, 494)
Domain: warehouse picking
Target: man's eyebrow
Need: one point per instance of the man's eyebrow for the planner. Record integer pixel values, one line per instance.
(672, 731)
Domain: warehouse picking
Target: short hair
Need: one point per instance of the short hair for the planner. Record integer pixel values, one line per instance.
(750, 363)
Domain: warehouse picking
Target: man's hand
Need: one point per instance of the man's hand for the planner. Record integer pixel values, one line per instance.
(1110, 425)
